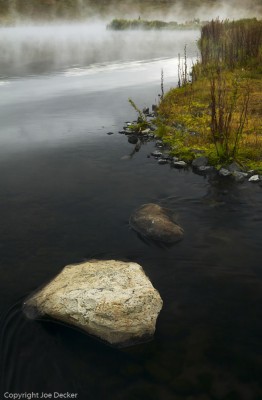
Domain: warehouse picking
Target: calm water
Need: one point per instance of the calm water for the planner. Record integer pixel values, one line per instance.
(66, 195)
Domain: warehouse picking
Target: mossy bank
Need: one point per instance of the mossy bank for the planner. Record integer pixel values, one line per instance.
(217, 110)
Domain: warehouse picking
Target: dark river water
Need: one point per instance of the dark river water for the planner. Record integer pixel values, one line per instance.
(66, 194)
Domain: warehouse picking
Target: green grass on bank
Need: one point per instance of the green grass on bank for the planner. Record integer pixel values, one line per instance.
(184, 119)
(220, 111)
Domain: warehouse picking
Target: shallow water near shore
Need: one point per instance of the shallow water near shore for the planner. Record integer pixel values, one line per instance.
(66, 195)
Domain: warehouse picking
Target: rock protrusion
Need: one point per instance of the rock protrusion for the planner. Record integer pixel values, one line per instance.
(111, 300)
(156, 223)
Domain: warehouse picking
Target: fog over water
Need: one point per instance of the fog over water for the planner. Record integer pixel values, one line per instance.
(41, 48)
(51, 76)
(178, 10)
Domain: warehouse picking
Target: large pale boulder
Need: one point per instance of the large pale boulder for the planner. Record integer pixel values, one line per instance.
(156, 223)
(112, 300)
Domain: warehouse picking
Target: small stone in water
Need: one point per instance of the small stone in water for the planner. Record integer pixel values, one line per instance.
(110, 133)
(156, 153)
(180, 164)
(159, 143)
(162, 161)
(224, 172)
(206, 168)
(254, 178)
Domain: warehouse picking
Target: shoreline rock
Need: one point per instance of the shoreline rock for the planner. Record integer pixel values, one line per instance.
(199, 162)
(180, 164)
(254, 178)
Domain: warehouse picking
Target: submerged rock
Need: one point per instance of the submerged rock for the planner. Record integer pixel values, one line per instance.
(132, 139)
(239, 176)
(162, 161)
(112, 300)
(206, 168)
(166, 156)
(156, 223)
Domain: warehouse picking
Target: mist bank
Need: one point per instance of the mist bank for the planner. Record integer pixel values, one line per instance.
(20, 11)
(34, 49)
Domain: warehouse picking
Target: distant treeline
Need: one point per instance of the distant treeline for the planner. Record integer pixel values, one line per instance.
(125, 24)
(235, 43)
(51, 9)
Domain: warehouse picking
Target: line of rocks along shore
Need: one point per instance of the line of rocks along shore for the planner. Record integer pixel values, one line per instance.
(200, 163)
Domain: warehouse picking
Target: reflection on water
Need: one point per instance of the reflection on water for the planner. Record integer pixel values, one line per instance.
(66, 195)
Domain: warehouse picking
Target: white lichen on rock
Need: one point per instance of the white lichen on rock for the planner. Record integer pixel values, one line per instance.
(112, 300)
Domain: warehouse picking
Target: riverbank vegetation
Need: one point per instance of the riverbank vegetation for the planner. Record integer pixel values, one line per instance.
(132, 24)
(218, 109)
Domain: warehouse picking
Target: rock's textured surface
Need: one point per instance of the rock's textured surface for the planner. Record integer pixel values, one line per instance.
(112, 300)
(154, 222)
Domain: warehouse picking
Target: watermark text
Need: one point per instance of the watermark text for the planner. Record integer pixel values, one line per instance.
(40, 395)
